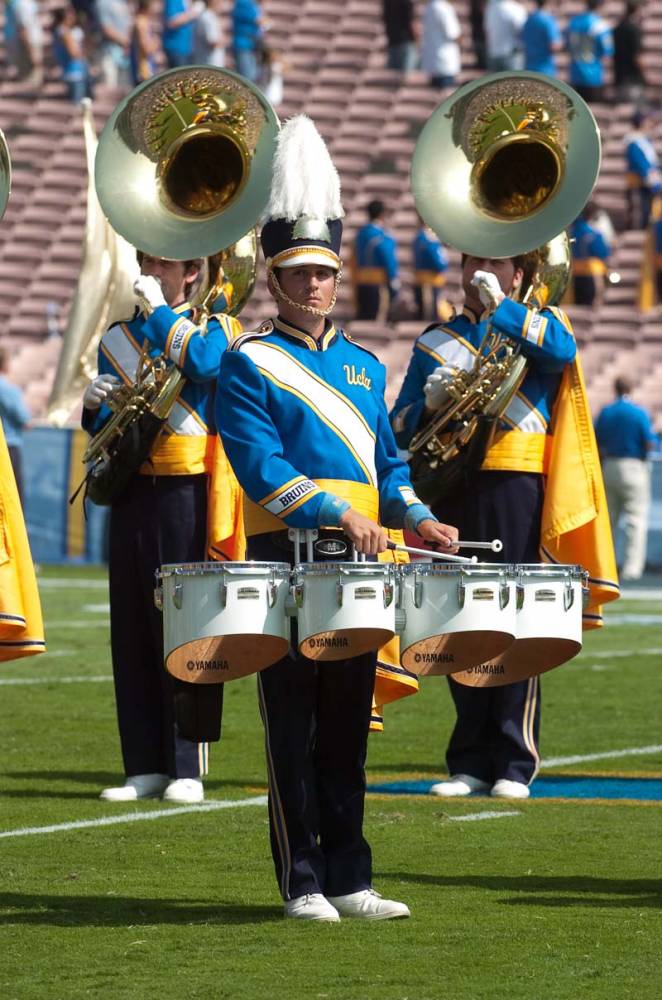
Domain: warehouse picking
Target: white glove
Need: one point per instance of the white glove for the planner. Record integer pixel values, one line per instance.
(489, 289)
(435, 388)
(198, 7)
(98, 391)
(149, 292)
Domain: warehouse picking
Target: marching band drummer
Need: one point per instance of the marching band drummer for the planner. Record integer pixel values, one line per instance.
(302, 418)
(160, 518)
(494, 745)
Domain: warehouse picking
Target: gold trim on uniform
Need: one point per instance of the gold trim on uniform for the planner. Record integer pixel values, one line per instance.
(361, 496)
(179, 455)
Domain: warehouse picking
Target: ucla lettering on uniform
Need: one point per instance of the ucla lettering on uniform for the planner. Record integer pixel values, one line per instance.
(357, 378)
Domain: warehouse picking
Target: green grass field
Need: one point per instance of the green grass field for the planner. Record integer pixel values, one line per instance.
(550, 899)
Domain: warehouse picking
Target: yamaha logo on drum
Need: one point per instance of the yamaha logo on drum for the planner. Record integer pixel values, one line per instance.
(330, 547)
(207, 665)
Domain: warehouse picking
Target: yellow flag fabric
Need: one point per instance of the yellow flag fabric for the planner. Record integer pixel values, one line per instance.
(392, 681)
(225, 517)
(646, 296)
(21, 624)
(575, 520)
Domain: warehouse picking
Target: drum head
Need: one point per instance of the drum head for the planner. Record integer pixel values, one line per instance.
(217, 659)
(452, 651)
(523, 659)
(344, 643)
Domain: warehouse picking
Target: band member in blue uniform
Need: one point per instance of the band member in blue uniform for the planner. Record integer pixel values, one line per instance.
(302, 418)
(494, 745)
(375, 268)
(590, 258)
(430, 266)
(160, 518)
(644, 178)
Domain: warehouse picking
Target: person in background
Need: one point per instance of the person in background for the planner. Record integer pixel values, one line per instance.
(375, 268)
(116, 24)
(14, 416)
(541, 40)
(272, 70)
(440, 43)
(247, 35)
(504, 20)
(401, 34)
(590, 257)
(629, 77)
(430, 266)
(590, 44)
(69, 53)
(24, 40)
(644, 179)
(477, 22)
(208, 47)
(625, 437)
(144, 46)
(179, 17)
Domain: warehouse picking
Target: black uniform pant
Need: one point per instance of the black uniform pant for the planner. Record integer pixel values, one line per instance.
(497, 729)
(160, 519)
(372, 302)
(584, 289)
(316, 718)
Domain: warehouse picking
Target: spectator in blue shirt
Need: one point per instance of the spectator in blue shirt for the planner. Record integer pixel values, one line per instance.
(179, 17)
(430, 266)
(541, 38)
(376, 270)
(247, 37)
(69, 53)
(589, 41)
(590, 255)
(14, 416)
(625, 437)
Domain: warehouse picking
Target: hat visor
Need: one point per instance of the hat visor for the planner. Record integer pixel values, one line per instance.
(298, 256)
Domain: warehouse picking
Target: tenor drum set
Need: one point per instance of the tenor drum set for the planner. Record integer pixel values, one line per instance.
(485, 623)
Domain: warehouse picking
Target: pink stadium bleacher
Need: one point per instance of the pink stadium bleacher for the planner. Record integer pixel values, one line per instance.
(370, 116)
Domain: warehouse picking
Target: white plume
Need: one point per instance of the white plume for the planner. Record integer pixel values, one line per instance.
(305, 181)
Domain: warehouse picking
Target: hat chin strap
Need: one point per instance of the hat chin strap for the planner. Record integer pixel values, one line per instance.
(311, 310)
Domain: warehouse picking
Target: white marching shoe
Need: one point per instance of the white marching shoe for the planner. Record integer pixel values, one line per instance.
(312, 906)
(184, 790)
(505, 789)
(138, 786)
(368, 905)
(459, 785)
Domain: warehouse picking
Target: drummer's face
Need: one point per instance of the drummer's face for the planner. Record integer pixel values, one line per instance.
(308, 284)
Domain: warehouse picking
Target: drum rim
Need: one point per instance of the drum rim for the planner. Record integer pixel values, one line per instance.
(329, 568)
(425, 568)
(562, 570)
(217, 568)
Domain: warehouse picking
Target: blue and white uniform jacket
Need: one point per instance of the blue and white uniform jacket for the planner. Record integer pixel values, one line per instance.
(305, 427)
(375, 258)
(523, 440)
(430, 259)
(186, 444)
(643, 162)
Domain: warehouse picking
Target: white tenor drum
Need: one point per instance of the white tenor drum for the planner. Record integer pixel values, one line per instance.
(343, 609)
(453, 617)
(549, 603)
(222, 621)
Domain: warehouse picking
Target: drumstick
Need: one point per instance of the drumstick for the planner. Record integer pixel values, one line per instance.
(496, 545)
(430, 553)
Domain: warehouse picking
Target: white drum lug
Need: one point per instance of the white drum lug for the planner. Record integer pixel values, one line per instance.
(520, 596)
(568, 595)
(339, 592)
(504, 594)
(389, 590)
(418, 590)
(178, 594)
(297, 592)
(223, 593)
(461, 593)
(272, 591)
(158, 598)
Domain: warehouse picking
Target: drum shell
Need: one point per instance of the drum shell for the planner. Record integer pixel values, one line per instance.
(454, 616)
(549, 605)
(343, 609)
(222, 621)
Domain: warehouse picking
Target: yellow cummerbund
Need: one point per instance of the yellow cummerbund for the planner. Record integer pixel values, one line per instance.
(179, 455)
(370, 276)
(658, 261)
(589, 266)
(518, 451)
(434, 279)
(363, 498)
(634, 181)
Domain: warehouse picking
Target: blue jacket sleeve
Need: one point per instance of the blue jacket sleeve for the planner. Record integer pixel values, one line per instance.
(398, 504)
(410, 404)
(255, 450)
(386, 255)
(545, 336)
(197, 354)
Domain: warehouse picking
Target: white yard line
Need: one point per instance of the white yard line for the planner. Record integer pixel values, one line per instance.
(603, 755)
(136, 817)
(10, 681)
(604, 654)
(484, 815)
(64, 583)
